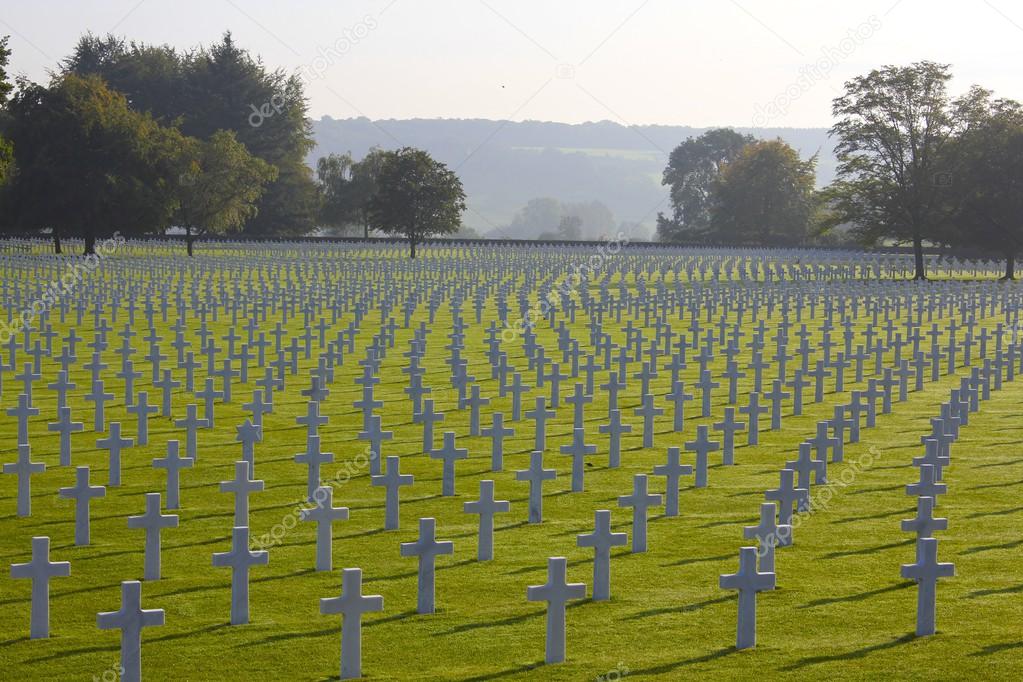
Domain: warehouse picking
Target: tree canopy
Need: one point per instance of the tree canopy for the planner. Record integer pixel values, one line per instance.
(893, 127)
(765, 195)
(88, 165)
(691, 175)
(417, 197)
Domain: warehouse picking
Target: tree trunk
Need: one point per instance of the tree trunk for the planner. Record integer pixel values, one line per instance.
(412, 244)
(90, 244)
(918, 255)
(56, 243)
(365, 230)
(1010, 267)
(189, 239)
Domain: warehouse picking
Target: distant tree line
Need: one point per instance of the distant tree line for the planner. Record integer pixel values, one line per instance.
(916, 166)
(138, 139)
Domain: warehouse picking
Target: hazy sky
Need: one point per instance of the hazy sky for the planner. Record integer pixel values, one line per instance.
(715, 62)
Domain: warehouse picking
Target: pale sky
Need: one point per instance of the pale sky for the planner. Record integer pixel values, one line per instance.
(677, 62)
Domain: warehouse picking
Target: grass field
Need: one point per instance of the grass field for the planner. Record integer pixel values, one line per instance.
(841, 610)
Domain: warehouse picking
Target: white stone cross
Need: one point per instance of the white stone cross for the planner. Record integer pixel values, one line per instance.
(313, 458)
(248, 434)
(40, 570)
(153, 522)
(926, 572)
(769, 534)
(748, 581)
(928, 485)
(82, 493)
(787, 495)
(536, 475)
(392, 481)
(242, 486)
(173, 463)
(578, 450)
(324, 514)
(602, 540)
(487, 507)
(557, 592)
(23, 468)
(427, 548)
(640, 500)
(65, 426)
(351, 605)
(449, 454)
(130, 620)
(672, 472)
(702, 446)
(114, 444)
(924, 524)
(240, 560)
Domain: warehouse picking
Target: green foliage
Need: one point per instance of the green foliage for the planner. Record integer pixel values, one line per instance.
(212, 89)
(417, 197)
(90, 166)
(692, 172)
(219, 191)
(5, 55)
(894, 125)
(346, 188)
(765, 195)
(986, 190)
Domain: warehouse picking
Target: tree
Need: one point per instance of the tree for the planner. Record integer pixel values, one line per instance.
(986, 186)
(894, 124)
(221, 87)
(764, 196)
(6, 149)
(570, 228)
(417, 197)
(346, 187)
(692, 171)
(219, 191)
(88, 165)
(538, 216)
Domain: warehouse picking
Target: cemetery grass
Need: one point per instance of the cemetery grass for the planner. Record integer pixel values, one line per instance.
(841, 610)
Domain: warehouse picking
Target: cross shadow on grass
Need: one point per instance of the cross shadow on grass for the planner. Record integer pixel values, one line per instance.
(996, 648)
(850, 655)
(684, 608)
(524, 668)
(669, 667)
(871, 550)
(857, 597)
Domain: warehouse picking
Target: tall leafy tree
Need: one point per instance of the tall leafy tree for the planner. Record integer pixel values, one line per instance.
(893, 127)
(6, 149)
(986, 182)
(765, 196)
(571, 228)
(692, 172)
(221, 187)
(220, 88)
(89, 166)
(417, 197)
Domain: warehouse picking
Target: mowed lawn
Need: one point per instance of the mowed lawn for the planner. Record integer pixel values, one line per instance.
(841, 610)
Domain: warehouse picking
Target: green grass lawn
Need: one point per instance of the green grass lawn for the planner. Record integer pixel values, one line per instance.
(841, 610)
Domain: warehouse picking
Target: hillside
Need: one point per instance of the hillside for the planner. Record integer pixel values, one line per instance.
(504, 164)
